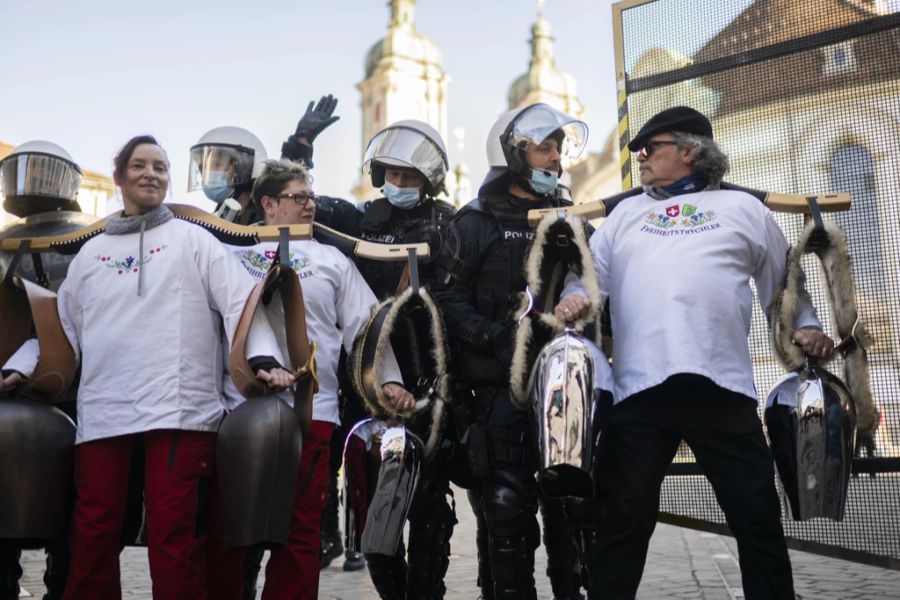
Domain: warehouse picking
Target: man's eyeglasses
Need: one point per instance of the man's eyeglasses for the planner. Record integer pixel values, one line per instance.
(650, 146)
(300, 198)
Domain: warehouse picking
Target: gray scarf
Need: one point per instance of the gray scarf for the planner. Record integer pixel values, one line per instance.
(121, 224)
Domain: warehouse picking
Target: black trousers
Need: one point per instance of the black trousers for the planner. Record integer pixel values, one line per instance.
(501, 449)
(724, 432)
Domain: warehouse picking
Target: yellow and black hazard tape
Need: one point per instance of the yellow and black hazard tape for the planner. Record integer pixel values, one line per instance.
(624, 153)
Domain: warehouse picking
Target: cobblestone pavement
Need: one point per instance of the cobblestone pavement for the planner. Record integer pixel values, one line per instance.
(682, 563)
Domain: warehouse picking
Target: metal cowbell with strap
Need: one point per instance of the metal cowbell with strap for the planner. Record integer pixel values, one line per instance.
(398, 477)
(36, 438)
(554, 368)
(258, 445)
(414, 313)
(811, 415)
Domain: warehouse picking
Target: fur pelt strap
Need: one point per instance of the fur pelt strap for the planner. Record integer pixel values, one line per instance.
(830, 246)
(559, 247)
(372, 344)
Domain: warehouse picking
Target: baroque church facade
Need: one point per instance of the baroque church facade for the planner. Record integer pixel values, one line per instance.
(404, 79)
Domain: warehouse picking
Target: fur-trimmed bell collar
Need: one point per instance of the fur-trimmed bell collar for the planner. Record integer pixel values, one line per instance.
(830, 245)
(559, 247)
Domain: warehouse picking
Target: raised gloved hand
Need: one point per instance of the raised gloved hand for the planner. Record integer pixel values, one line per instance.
(316, 118)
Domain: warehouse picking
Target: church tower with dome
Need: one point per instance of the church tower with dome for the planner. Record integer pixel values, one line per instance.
(544, 82)
(404, 79)
(593, 175)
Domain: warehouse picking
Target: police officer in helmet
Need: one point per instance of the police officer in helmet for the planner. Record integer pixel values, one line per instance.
(226, 160)
(408, 161)
(39, 183)
(487, 245)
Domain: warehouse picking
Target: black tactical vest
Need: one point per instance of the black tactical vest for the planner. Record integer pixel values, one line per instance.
(383, 223)
(501, 276)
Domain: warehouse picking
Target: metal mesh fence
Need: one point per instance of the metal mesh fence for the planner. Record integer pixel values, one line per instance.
(804, 96)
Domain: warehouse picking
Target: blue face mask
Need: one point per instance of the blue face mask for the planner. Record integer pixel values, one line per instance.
(403, 198)
(216, 187)
(543, 182)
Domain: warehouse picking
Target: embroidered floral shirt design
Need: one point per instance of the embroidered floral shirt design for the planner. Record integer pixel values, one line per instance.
(258, 262)
(680, 218)
(129, 264)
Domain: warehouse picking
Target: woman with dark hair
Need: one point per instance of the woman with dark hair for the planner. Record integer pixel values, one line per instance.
(143, 306)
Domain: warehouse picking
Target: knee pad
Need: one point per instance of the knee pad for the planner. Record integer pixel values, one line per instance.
(510, 506)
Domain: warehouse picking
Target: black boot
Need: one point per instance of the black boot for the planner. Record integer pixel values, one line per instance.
(481, 544)
(590, 555)
(512, 565)
(388, 574)
(57, 570)
(563, 564)
(331, 546)
(354, 561)
(431, 524)
(10, 571)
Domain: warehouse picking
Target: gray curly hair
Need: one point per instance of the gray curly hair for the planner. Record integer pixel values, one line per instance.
(275, 176)
(710, 162)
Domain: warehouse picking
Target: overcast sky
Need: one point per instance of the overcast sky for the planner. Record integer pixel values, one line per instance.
(89, 74)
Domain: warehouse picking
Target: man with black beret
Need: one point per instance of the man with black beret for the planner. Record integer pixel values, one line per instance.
(675, 263)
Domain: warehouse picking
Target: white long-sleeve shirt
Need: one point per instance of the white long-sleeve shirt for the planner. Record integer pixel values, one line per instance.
(677, 274)
(154, 361)
(337, 304)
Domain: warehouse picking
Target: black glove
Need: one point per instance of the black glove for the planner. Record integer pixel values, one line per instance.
(317, 118)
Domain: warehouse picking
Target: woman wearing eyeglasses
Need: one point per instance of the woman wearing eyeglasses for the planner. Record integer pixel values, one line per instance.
(143, 306)
(337, 304)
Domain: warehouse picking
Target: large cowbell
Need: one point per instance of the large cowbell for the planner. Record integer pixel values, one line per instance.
(811, 420)
(259, 443)
(565, 392)
(258, 451)
(36, 438)
(402, 457)
(36, 442)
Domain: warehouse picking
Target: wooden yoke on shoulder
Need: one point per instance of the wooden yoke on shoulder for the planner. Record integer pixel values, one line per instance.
(776, 201)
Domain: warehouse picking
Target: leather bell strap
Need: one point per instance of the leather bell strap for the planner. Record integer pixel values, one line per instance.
(403, 283)
(301, 352)
(23, 304)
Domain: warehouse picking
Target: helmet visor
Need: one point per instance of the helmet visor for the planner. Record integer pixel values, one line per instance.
(231, 165)
(407, 148)
(538, 122)
(34, 174)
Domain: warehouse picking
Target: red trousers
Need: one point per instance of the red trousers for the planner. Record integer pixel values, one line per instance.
(356, 470)
(292, 572)
(179, 510)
